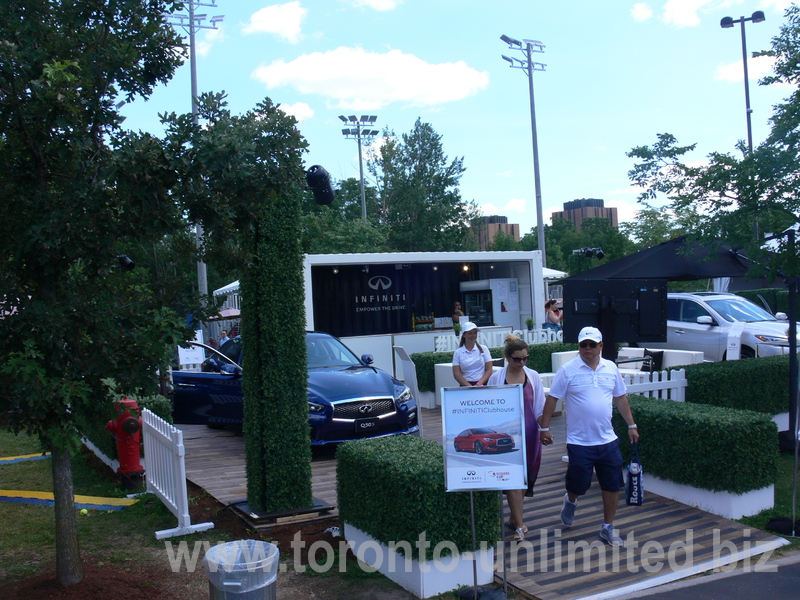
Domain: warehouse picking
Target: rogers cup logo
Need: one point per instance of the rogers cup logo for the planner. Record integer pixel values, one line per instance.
(380, 282)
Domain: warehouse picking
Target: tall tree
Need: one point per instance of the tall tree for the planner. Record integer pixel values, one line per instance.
(243, 184)
(339, 227)
(654, 225)
(740, 194)
(419, 195)
(71, 202)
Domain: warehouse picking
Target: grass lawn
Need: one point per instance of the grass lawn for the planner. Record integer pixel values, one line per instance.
(27, 537)
(783, 500)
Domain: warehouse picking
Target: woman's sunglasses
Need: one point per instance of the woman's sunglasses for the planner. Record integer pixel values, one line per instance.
(520, 359)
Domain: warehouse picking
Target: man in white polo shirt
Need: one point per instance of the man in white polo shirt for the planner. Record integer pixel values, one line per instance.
(589, 384)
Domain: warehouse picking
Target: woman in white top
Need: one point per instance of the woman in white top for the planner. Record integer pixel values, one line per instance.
(516, 372)
(472, 363)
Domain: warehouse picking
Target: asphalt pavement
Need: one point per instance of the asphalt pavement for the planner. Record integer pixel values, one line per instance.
(781, 583)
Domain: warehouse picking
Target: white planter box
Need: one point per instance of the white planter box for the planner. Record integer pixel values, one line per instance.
(782, 421)
(426, 579)
(724, 504)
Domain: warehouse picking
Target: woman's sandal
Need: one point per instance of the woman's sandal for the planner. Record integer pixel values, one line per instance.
(511, 526)
(519, 534)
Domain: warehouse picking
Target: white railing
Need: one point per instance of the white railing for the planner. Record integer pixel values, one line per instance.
(448, 342)
(667, 385)
(166, 472)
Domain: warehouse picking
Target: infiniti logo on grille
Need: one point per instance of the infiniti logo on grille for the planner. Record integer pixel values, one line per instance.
(365, 409)
(380, 282)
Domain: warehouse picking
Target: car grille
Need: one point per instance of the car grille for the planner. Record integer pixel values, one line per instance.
(355, 409)
(504, 442)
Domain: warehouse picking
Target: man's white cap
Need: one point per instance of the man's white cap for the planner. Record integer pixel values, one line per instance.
(468, 326)
(590, 333)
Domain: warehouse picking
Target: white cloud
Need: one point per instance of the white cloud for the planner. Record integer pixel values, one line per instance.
(352, 78)
(757, 68)
(299, 110)
(210, 37)
(683, 13)
(626, 211)
(376, 4)
(641, 11)
(515, 205)
(283, 20)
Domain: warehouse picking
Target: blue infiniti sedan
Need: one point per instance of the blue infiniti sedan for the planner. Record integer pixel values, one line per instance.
(347, 397)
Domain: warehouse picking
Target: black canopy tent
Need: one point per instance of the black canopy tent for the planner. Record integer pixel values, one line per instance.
(629, 296)
(674, 260)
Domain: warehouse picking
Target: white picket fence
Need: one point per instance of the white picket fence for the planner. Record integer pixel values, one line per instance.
(166, 472)
(667, 385)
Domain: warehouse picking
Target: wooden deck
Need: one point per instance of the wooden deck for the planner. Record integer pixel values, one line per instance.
(554, 563)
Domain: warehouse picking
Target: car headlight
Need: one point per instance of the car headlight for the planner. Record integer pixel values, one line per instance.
(488, 439)
(404, 396)
(315, 407)
(772, 338)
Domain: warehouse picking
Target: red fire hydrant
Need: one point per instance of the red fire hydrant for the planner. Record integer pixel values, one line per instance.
(126, 430)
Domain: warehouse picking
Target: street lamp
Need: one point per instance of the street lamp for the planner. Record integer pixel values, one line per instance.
(358, 132)
(528, 47)
(191, 24)
(727, 23)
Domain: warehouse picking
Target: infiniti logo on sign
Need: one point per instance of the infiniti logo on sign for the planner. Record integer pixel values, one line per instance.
(380, 282)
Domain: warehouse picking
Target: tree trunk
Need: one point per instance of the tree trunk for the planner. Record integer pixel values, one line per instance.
(68, 556)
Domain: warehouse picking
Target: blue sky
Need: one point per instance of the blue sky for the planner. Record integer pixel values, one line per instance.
(617, 73)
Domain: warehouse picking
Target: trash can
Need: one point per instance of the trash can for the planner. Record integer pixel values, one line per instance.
(242, 570)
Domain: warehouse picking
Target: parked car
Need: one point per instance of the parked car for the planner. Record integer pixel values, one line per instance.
(347, 397)
(482, 439)
(702, 321)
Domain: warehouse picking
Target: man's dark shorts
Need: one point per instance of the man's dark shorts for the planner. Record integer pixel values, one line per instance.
(606, 459)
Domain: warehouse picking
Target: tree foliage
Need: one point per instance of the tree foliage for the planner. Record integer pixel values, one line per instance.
(75, 192)
(339, 228)
(739, 197)
(244, 183)
(418, 192)
(562, 237)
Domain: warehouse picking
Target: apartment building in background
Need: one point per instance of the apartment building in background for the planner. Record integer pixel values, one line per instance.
(586, 208)
(490, 226)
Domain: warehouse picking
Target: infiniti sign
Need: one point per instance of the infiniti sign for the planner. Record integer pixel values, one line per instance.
(380, 282)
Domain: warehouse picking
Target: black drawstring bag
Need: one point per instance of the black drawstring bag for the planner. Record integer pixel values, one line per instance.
(634, 487)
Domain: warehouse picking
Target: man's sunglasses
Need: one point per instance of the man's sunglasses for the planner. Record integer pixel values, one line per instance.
(588, 344)
(521, 359)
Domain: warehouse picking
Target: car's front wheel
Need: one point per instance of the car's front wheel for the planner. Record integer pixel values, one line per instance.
(747, 352)
(455, 445)
(478, 448)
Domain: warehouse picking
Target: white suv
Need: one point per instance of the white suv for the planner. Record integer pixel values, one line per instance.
(702, 320)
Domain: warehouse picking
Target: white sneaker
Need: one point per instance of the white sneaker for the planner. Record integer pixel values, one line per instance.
(609, 534)
(568, 511)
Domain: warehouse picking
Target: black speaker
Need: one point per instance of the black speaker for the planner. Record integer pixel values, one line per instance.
(320, 183)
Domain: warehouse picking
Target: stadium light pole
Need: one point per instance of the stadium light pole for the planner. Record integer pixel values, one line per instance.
(358, 132)
(528, 47)
(191, 23)
(727, 23)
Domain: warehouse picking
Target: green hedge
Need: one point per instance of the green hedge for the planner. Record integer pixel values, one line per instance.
(707, 447)
(539, 361)
(758, 384)
(102, 437)
(392, 488)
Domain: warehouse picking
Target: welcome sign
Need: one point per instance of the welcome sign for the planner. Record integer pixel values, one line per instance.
(484, 438)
